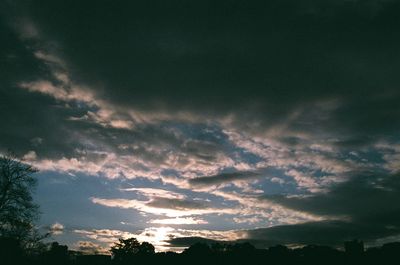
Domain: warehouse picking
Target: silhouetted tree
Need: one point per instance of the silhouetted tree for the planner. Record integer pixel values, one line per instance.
(218, 247)
(354, 247)
(198, 249)
(10, 251)
(146, 249)
(242, 248)
(58, 254)
(127, 249)
(17, 209)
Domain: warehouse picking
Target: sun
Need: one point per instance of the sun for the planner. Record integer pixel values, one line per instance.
(158, 236)
(161, 235)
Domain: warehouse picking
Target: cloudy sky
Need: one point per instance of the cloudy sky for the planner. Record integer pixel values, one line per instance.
(265, 121)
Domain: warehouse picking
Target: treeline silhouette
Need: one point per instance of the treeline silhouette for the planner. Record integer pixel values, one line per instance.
(130, 251)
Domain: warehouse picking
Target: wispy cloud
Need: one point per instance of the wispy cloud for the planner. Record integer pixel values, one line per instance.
(166, 207)
(152, 192)
(179, 221)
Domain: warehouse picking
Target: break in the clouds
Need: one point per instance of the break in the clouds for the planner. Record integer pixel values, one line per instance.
(203, 116)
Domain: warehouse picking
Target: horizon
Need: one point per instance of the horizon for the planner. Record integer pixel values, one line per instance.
(272, 122)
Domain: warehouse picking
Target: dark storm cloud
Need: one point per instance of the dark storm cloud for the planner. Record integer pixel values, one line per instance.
(267, 63)
(58, 125)
(28, 120)
(366, 197)
(332, 233)
(259, 60)
(364, 207)
(54, 128)
(189, 241)
(224, 178)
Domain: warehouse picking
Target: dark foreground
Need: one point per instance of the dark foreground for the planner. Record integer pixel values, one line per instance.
(243, 253)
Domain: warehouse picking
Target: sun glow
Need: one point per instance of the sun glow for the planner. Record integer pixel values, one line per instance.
(161, 234)
(158, 236)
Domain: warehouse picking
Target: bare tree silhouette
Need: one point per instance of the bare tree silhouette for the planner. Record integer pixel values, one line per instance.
(17, 209)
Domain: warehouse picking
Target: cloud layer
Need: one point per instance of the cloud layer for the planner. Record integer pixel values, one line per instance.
(224, 116)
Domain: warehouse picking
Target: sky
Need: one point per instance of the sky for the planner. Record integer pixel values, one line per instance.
(271, 122)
